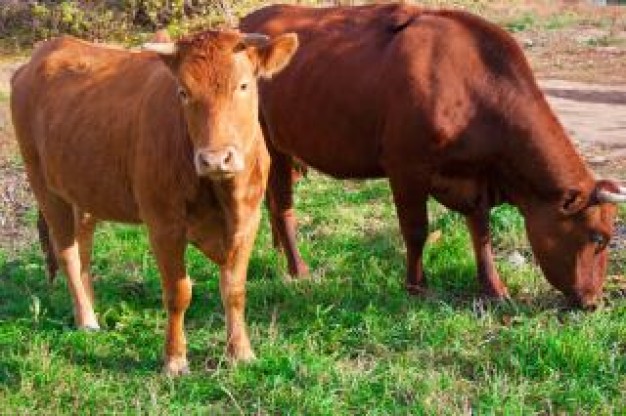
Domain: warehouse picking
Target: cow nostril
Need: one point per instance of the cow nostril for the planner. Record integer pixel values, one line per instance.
(203, 159)
(228, 159)
(217, 162)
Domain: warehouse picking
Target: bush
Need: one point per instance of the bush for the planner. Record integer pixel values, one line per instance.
(26, 22)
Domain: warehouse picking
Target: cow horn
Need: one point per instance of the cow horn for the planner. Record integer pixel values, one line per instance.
(255, 39)
(167, 48)
(614, 197)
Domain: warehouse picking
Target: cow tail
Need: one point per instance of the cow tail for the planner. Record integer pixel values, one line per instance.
(46, 247)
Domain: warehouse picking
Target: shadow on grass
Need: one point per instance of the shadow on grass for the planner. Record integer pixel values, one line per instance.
(128, 304)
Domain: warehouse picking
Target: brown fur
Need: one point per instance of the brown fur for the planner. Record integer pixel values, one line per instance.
(442, 103)
(104, 136)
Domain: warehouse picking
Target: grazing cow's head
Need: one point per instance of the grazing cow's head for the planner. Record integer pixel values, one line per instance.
(570, 243)
(217, 75)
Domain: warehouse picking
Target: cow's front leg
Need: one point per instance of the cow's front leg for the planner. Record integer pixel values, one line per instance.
(488, 278)
(233, 291)
(168, 245)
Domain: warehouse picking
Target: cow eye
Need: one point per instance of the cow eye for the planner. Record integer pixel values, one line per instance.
(600, 240)
(243, 86)
(183, 95)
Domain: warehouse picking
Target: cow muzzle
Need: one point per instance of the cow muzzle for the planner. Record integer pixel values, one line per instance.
(588, 302)
(220, 164)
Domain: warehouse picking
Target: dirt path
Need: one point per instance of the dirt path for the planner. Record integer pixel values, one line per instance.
(6, 70)
(15, 196)
(594, 115)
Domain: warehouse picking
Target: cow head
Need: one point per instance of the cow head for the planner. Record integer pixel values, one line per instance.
(216, 74)
(570, 243)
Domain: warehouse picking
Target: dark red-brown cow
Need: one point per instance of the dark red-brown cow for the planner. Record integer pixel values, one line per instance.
(168, 137)
(442, 103)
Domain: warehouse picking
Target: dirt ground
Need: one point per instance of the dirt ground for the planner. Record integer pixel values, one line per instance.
(15, 197)
(586, 85)
(595, 117)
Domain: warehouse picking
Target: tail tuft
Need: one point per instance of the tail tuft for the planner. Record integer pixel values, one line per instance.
(46, 247)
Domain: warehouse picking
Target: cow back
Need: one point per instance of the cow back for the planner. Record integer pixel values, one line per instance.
(102, 115)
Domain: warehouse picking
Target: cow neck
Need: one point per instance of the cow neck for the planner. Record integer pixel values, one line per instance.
(239, 196)
(540, 162)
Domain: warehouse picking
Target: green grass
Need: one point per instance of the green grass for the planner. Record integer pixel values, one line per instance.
(521, 22)
(348, 342)
(603, 41)
(562, 20)
(530, 20)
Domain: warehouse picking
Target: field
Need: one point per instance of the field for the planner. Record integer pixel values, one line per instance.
(349, 340)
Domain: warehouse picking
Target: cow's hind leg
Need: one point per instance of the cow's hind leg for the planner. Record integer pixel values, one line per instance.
(273, 226)
(283, 217)
(410, 200)
(46, 246)
(59, 215)
(488, 278)
(168, 245)
(85, 227)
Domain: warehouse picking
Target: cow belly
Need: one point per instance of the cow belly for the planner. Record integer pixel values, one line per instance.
(340, 155)
(344, 167)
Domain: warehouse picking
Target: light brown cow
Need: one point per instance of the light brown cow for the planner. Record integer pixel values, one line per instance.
(169, 138)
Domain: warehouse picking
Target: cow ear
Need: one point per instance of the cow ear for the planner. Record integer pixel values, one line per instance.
(272, 56)
(573, 201)
(169, 52)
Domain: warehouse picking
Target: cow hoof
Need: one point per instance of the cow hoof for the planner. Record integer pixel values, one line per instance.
(299, 272)
(89, 328)
(176, 367)
(589, 304)
(86, 320)
(417, 290)
(496, 294)
(242, 355)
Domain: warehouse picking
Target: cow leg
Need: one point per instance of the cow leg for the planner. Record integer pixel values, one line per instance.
(233, 276)
(85, 228)
(276, 239)
(60, 217)
(412, 212)
(273, 226)
(46, 246)
(169, 249)
(488, 278)
(57, 233)
(283, 217)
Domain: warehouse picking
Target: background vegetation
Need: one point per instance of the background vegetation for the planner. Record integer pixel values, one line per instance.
(24, 22)
(27, 22)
